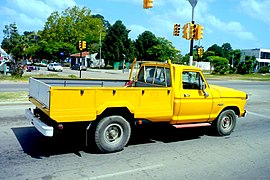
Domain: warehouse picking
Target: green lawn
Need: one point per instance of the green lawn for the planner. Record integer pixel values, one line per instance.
(13, 96)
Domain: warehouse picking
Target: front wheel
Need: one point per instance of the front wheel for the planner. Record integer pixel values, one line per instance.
(112, 134)
(225, 123)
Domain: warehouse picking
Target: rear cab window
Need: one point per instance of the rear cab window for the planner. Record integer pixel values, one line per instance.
(155, 76)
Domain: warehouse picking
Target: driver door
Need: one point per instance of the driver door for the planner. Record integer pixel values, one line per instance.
(195, 106)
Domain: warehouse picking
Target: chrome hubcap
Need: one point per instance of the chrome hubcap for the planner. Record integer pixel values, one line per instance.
(113, 133)
(226, 122)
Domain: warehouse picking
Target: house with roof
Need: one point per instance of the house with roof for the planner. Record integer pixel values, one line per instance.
(86, 59)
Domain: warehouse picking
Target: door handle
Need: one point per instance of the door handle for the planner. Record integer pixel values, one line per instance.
(186, 95)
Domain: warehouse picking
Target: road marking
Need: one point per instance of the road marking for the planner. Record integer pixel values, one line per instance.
(126, 172)
(257, 114)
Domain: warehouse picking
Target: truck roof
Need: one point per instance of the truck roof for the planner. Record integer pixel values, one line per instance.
(167, 64)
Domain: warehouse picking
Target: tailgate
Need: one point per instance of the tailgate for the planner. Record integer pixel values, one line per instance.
(39, 91)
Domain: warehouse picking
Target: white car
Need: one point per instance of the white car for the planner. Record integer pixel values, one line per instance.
(55, 67)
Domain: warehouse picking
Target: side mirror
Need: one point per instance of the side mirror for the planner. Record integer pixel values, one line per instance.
(202, 87)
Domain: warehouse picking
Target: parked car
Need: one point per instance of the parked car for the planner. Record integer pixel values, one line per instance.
(55, 67)
(30, 68)
(78, 67)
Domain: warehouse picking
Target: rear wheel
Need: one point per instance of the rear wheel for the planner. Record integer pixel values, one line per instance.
(225, 123)
(112, 133)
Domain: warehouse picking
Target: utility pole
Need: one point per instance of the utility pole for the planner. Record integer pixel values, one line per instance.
(100, 45)
(99, 48)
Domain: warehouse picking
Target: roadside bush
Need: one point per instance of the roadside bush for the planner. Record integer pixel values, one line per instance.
(220, 64)
(264, 69)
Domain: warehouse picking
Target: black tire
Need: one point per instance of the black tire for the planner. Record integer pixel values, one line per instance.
(225, 123)
(112, 134)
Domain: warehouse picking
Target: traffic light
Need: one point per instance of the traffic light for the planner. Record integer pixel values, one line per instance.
(200, 52)
(147, 4)
(80, 45)
(185, 32)
(199, 32)
(176, 29)
(192, 31)
(83, 44)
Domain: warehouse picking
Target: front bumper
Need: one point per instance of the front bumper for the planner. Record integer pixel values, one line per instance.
(39, 125)
(244, 114)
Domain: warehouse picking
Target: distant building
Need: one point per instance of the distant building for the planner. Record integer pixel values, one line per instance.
(87, 59)
(262, 56)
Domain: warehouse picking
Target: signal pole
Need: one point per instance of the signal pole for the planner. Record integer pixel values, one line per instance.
(193, 3)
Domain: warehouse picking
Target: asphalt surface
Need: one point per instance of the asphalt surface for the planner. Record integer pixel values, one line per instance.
(154, 152)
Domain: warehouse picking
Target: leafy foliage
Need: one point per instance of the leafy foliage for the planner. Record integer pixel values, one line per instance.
(247, 66)
(220, 64)
(117, 46)
(63, 30)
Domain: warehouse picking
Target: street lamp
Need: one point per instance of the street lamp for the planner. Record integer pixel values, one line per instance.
(193, 4)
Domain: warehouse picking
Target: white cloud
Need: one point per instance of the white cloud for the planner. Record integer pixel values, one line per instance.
(231, 27)
(135, 30)
(258, 9)
(33, 8)
(30, 15)
(60, 4)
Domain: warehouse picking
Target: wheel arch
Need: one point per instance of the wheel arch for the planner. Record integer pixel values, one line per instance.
(234, 108)
(121, 111)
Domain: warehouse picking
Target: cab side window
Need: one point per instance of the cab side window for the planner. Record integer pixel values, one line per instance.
(192, 80)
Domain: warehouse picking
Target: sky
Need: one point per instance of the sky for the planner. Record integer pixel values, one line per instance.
(245, 24)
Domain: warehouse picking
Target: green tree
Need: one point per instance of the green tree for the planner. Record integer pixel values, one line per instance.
(71, 26)
(235, 56)
(220, 64)
(227, 49)
(117, 45)
(247, 66)
(144, 43)
(217, 49)
(11, 37)
(208, 54)
(164, 50)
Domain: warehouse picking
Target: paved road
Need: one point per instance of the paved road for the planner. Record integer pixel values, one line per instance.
(155, 153)
(9, 86)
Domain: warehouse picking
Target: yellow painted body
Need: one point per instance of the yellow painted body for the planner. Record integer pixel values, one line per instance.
(157, 104)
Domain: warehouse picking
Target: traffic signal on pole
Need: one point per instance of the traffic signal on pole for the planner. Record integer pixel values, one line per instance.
(80, 45)
(192, 31)
(199, 32)
(185, 32)
(147, 4)
(200, 52)
(83, 44)
(176, 29)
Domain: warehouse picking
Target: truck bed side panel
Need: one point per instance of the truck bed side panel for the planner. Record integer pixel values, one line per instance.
(84, 104)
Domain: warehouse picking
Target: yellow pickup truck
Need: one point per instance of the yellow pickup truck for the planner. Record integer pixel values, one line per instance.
(107, 109)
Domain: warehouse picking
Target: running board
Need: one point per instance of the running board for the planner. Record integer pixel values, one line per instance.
(192, 125)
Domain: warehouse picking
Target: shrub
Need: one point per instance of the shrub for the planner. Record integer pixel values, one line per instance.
(264, 69)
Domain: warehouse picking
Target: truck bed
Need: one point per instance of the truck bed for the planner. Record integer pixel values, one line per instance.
(39, 88)
(73, 100)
